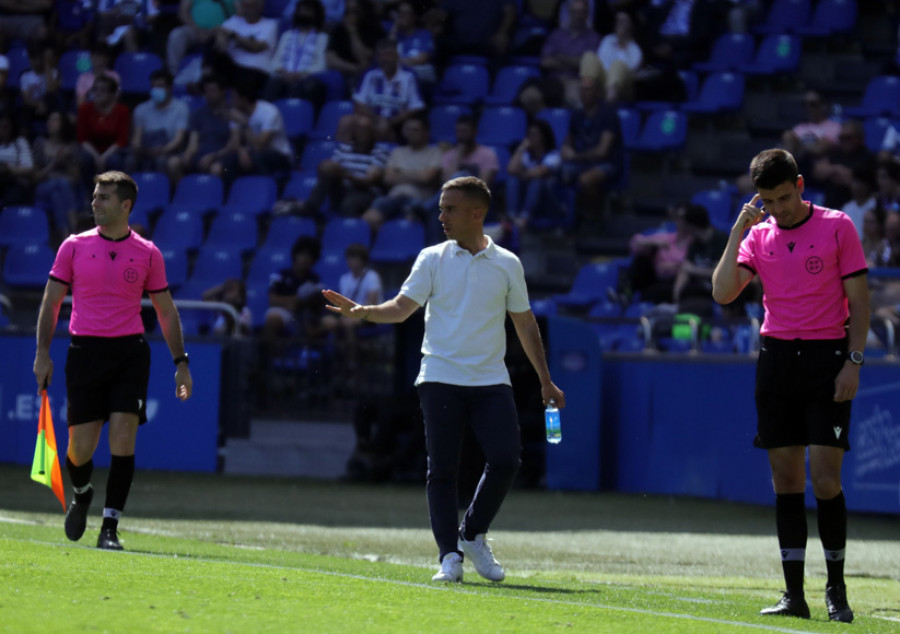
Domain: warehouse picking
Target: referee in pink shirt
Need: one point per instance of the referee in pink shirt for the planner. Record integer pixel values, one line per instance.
(108, 366)
(816, 300)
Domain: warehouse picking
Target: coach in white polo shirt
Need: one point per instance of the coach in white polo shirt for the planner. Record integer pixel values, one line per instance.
(468, 285)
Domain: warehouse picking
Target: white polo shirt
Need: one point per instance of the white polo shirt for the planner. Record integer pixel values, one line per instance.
(466, 298)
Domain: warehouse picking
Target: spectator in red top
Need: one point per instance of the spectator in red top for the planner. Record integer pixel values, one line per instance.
(102, 129)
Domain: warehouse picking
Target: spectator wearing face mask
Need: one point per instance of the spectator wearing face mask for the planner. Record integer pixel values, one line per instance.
(160, 127)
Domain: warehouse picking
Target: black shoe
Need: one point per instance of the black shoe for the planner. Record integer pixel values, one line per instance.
(790, 605)
(108, 539)
(836, 601)
(76, 517)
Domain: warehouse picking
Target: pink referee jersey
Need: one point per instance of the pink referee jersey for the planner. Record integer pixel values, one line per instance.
(802, 270)
(108, 278)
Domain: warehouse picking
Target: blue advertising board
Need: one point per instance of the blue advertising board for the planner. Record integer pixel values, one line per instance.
(178, 436)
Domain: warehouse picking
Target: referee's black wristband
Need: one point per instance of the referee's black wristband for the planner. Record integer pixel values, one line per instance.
(182, 359)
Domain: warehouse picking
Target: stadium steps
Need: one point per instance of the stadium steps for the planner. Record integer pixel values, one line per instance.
(291, 449)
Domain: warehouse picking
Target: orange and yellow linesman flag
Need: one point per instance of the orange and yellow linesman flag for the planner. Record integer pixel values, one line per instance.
(45, 468)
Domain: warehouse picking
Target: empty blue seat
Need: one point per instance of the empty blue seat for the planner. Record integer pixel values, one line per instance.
(776, 54)
(630, 124)
(729, 51)
(881, 98)
(314, 153)
(875, 129)
(544, 307)
(18, 64)
(135, 69)
(214, 265)
(663, 131)
(503, 155)
(153, 192)
(23, 225)
(179, 227)
(465, 84)
(298, 117)
(590, 285)
(299, 186)
(27, 265)
(442, 121)
(252, 195)
(719, 206)
(784, 15)
(720, 92)
(284, 231)
(203, 192)
(232, 230)
(398, 241)
(502, 125)
(329, 268)
(176, 265)
(72, 63)
(558, 118)
(507, 82)
(266, 262)
(327, 121)
(339, 233)
(831, 17)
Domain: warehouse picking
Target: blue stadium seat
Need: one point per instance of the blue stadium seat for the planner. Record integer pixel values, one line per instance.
(630, 123)
(875, 129)
(284, 231)
(719, 205)
(339, 233)
(72, 63)
(24, 225)
(135, 69)
(663, 131)
(314, 153)
(783, 16)
(27, 265)
(258, 303)
(232, 230)
(327, 121)
(729, 51)
(830, 17)
(335, 84)
(398, 241)
(881, 98)
(544, 307)
(203, 192)
(299, 185)
(266, 261)
(298, 117)
(502, 125)
(507, 82)
(558, 118)
(179, 227)
(465, 84)
(442, 121)
(176, 260)
(720, 92)
(153, 192)
(503, 156)
(18, 64)
(214, 265)
(329, 268)
(252, 195)
(590, 285)
(776, 54)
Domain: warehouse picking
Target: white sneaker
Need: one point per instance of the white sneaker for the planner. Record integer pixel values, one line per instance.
(479, 553)
(451, 569)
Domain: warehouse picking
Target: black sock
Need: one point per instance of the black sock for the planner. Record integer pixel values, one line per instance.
(790, 519)
(80, 476)
(833, 533)
(121, 473)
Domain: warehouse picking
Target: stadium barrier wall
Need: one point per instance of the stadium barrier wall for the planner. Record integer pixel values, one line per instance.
(177, 436)
(684, 425)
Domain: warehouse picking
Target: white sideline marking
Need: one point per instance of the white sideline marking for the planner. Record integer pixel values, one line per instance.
(429, 586)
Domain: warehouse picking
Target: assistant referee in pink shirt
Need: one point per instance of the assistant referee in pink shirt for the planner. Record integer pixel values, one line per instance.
(816, 300)
(108, 365)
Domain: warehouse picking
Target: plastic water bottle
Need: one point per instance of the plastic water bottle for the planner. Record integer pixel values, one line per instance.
(551, 420)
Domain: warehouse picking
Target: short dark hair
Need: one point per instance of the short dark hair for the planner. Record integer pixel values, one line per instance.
(307, 244)
(771, 168)
(547, 133)
(472, 187)
(695, 215)
(162, 73)
(126, 188)
(357, 250)
(318, 10)
(467, 119)
(111, 82)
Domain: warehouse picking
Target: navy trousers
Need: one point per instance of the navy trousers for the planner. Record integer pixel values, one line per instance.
(491, 413)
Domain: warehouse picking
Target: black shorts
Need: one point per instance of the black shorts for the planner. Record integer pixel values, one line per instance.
(105, 375)
(795, 394)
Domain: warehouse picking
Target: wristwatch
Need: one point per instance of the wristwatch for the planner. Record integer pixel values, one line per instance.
(182, 359)
(856, 357)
